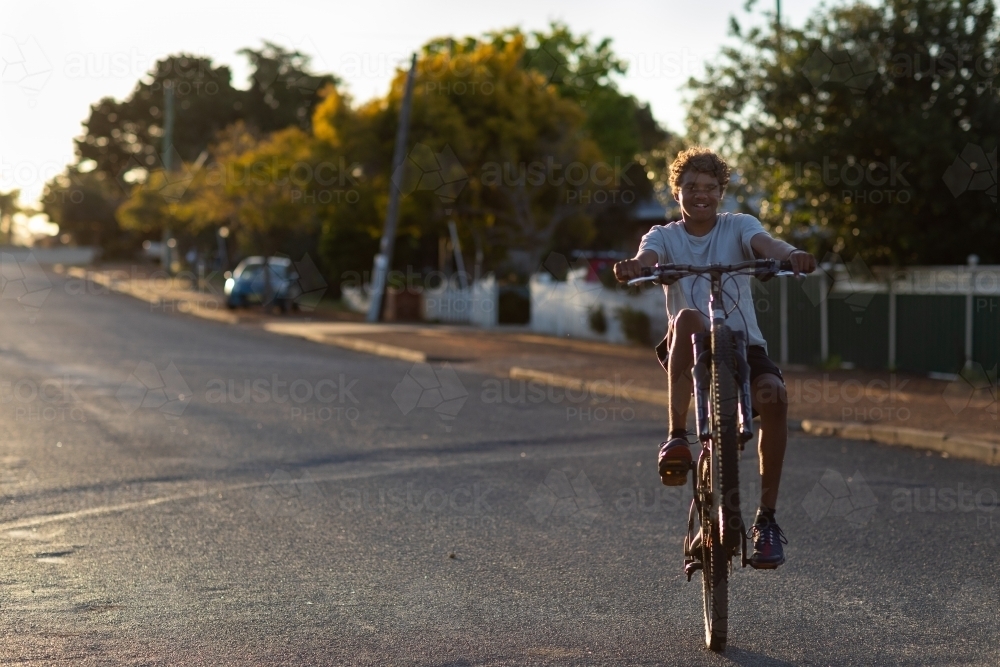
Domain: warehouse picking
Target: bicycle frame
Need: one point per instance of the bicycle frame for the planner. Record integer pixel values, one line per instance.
(702, 371)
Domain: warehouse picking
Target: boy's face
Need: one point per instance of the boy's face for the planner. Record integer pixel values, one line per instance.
(699, 196)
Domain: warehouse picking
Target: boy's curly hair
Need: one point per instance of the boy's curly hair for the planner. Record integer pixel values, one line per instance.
(702, 160)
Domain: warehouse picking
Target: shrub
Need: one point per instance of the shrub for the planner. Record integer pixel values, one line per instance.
(598, 322)
(635, 325)
(514, 306)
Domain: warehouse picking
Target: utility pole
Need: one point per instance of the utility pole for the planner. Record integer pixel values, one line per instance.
(463, 280)
(384, 257)
(168, 164)
(777, 25)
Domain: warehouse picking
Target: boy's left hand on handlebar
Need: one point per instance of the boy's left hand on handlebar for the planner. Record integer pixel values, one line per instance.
(802, 262)
(628, 269)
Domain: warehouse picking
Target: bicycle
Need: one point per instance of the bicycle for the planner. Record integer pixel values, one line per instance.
(724, 424)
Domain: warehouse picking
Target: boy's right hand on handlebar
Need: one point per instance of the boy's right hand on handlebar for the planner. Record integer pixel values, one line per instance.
(627, 269)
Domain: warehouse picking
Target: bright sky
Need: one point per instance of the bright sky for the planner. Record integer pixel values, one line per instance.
(59, 58)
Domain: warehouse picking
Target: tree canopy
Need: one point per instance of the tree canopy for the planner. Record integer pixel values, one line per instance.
(864, 131)
(498, 145)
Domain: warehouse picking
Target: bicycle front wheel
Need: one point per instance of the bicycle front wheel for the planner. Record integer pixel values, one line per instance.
(714, 566)
(722, 522)
(725, 437)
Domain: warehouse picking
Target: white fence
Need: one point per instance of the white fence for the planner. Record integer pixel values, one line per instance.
(476, 305)
(564, 308)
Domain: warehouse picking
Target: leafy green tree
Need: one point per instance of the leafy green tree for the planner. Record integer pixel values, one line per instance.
(512, 159)
(586, 73)
(83, 204)
(256, 186)
(844, 130)
(123, 135)
(283, 90)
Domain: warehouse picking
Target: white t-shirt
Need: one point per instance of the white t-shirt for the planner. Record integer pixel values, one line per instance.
(727, 243)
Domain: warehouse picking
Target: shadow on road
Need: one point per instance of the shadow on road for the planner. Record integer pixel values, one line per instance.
(749, 659)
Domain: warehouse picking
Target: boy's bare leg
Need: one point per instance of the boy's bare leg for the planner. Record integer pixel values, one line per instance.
(771, 401)
(687, 323)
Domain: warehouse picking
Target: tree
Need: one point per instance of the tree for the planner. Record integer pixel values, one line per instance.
(283, 90)
(123, 139)
(586, 73)
(83, 204)
(126, 135)
(846, 134)
(122, 136)
(9, 207)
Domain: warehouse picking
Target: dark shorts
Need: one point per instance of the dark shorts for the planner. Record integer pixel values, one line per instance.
(760, 363)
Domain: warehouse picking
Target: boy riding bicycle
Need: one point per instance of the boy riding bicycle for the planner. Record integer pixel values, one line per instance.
(698, 178)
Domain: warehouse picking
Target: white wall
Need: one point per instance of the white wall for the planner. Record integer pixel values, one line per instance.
(563, 308)
(476, 305)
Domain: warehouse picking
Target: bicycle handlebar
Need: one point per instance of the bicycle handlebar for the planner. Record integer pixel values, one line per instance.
(765, 269)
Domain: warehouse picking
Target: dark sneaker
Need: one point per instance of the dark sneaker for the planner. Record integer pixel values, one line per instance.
(767, 541)
(675, 461)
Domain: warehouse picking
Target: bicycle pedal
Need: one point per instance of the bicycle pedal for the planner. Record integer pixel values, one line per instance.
(673, 479)
(690, 567)
(673, 472)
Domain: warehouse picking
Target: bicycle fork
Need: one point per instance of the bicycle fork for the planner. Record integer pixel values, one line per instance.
(743, 385)
(702, 375)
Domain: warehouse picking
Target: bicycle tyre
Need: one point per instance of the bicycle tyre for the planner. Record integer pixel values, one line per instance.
(714, 567)
(725, 436)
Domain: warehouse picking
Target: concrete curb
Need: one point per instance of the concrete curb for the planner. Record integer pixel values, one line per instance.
(594, 387)
(960, 446)
(360, 345)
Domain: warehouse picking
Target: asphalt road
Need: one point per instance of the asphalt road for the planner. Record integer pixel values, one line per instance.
(155, 513)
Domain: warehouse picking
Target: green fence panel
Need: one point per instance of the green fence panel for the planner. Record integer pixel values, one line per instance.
(859, 328)
(986, 330)
(803, 321)
(930, 333)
